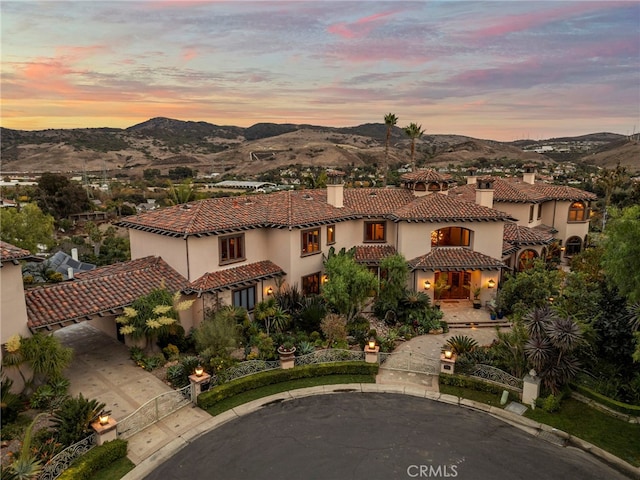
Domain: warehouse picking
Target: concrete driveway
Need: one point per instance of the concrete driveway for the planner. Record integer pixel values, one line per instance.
(376, 436)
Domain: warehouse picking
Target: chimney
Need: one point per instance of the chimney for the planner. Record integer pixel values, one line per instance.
(335, 188)
(74, 254)
(484, 192)
(529, 175)
(70, 273)
(471, 175)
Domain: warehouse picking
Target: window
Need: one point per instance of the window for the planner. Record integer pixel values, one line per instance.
(375, 231)
(310, 241)
(311, 284)
(573, 246)
(245, 297)
(539, 211)
(526, 258)
(531, 209)
(577, 212)
(331, 234)
(451, 237)
(231, 249)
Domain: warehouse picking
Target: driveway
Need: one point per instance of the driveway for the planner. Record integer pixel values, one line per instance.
(376, 436)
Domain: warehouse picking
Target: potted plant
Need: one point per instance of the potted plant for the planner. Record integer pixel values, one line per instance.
(286, 349)
(493, 310)
(439, 288)
(500, 306)
(476, 298)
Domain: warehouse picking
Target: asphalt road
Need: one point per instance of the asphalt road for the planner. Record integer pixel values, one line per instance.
(374, 436)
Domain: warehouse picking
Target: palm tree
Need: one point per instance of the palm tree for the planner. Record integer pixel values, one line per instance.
(413, 131)
(390, 120)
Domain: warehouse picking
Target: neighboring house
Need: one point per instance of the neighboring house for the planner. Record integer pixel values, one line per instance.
(233, 250)
(13, 310)
(63, 263)
(543, 211)
(98, 296)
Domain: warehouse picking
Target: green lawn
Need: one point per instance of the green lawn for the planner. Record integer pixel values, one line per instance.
(116, 471)
(261, 392)
(609, 433)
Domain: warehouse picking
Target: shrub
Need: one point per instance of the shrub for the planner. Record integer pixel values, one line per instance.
(98, 458)
(11, 403)
(221, 392)
(71, 421)
(460, 344)
(171, 352)
(474, 384)
(334, 328)
(608, 402)
(551, 403)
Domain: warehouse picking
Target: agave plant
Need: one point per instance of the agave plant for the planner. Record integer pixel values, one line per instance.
(460, 344)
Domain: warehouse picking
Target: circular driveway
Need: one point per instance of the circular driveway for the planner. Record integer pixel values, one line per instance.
(374, 436)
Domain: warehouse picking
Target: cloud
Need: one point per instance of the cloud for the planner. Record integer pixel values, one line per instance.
(360, 28)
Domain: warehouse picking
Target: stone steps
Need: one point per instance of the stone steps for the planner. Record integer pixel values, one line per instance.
(487, 324)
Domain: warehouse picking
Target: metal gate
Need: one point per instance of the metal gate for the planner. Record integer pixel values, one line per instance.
(152, 411)
(408, 361)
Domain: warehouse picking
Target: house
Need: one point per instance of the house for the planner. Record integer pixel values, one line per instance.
(234, 250)
(13, 309)
(544, 213)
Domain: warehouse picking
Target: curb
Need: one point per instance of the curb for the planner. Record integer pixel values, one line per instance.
(541, 430)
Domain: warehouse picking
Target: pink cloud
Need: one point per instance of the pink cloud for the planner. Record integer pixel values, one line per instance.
(360, 28)
(189, 54)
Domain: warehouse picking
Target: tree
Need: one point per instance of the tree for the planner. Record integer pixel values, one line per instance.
(390, 120)
(183, 193)
(621, 260)
(271, 314)
(349, 284)
(60, 197)
(393, 286)
(153, 314)
(413, 131)
(551, 347)
(27, 228)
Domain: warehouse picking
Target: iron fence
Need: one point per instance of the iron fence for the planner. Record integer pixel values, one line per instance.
(59, 463)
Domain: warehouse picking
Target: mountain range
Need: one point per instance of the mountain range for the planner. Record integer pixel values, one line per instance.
(164, 143)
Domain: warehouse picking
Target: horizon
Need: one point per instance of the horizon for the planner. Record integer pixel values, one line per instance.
(502, 71)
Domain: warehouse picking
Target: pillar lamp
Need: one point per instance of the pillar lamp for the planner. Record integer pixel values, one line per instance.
(103, 418)
(448, 354)
(199, 371)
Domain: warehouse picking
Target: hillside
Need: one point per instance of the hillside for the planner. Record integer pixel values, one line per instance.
(164, 143)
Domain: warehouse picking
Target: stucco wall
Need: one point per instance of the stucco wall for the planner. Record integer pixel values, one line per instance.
(172, 250)
(13, 309)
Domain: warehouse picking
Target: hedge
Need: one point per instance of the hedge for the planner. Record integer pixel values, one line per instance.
(84, 467)
(627, 408)
(474, 384)
(240, 385)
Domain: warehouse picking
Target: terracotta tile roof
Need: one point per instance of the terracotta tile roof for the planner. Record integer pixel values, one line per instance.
(243, 275)
(442, 208)
(218, 215)
(519, 235)
(508, 248)
(11, 253)
(455, 259)
(372, 254)
(515, 190)
(376, 201)
(425, 175)
(100, 290)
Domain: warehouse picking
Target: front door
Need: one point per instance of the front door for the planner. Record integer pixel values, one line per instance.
(459, 284)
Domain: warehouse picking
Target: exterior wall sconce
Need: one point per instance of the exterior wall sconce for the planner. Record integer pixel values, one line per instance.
(427, 284)
(562, 249)
(270, 291)
(448, 354)
(199, 371)
(491, 283)
(103, 418)
(325, 278)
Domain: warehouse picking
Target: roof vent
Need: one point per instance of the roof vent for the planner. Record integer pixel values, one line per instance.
(373, 194)
(186, 206)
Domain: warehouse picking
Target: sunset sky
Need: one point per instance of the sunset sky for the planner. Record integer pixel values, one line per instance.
(497, 70)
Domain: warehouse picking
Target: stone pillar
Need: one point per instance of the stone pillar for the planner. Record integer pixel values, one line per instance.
(287, 358)
(447, 363)
(196, 385)
(105, 432)
(371, 354)
(530, 388)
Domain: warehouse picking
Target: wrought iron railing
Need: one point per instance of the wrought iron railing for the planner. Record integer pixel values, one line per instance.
(59, 463)
(154, 410)
(330, 355)
(244, 369)
(495, 375)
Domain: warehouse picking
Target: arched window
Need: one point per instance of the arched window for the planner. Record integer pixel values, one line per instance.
(526, 258)
(573, 246)
(577, 212)
(434, 187)
(451, 237)
(420, 187)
